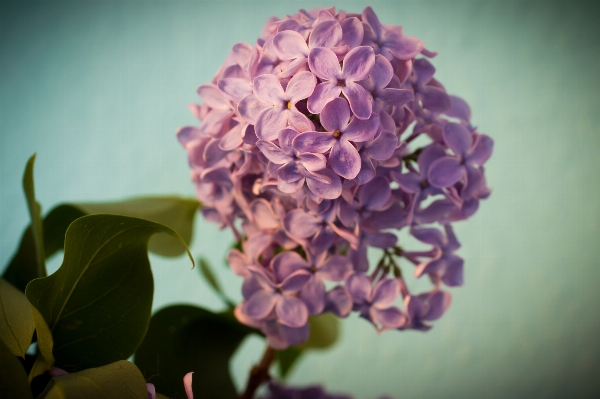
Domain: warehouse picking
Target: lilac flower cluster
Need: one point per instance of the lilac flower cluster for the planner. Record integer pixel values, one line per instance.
(304, 152)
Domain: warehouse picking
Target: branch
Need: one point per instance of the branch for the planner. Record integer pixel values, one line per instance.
(259, 373)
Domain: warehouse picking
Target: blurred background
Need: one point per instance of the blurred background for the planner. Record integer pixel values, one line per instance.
(98, 90)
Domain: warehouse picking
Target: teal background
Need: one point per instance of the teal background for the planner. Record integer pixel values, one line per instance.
(98, 90)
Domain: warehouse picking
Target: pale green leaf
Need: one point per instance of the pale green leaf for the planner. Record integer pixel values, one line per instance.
(16, 321)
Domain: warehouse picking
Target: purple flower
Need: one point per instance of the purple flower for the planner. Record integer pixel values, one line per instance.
(356, 66)
(375, 304)
(389, 43)
(429, 306)
(434, 98)
(377, 85)
(282, 103)
(446, 171)
(341, 133)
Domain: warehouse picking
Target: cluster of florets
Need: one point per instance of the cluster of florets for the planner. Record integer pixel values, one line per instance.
(304, 151)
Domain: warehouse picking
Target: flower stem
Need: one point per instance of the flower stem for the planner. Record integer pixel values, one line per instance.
(259, 373)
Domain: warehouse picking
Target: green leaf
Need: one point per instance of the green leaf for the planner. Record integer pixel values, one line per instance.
(207, 273)
(185, 338)
(287, 358)
(44, 360)
(174, 212)
(121, 379)
(36, 218)
(98, 302)
(13, 379)
(324, 332)
(16, 320)
(177, 213)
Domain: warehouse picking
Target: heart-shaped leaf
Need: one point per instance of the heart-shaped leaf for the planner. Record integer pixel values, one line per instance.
(120, 379)
(98, 302)
(183, 339)
(13, 379)
(174, 212)
(16, 320)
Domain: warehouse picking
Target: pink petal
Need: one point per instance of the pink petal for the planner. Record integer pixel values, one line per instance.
(250, 107)
(212, 97)
(299, 121)
(323, 93)
(232, 139)
(187, 385)
(263, 214)
(404, 47)
(269, 123)
(313, 162)
(325, 34)
(273, 153)
(289, 45)
(300, 86)
(335, 115)
(235, 88)
(324, 63)
(267, 88)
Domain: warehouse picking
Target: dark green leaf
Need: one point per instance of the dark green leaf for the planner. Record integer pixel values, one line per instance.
(36, 218)
(174, 212)
(16, 320)
(185, 338)
(13, 379)
(177, 213)
(117, 380)
(45, 359)
(98, 302)
(211, 279)
(287, 358)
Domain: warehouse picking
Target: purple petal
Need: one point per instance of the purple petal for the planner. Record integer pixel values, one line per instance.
(375, 193)
(335, 115)
(187, 134)
(482, 151)
(358, 63)
(429, 236)
(388, 318)
(453, 243)
(453, 276)
(322, 241)
(300, 86)
(272, 152)
(301, 224)
(409, 182)
(289, 173)
(313, 295)
(428, 156)
(385, 294)
(232, 139)
(396, 97)
(325, 34)
(212, 151)
(435, 99)
(430, 267)
(323, 93)
(359, 288)
(295, 281)
(286, 263)
(367, 170)
(403, 70)
(458, 138)
(368, 16)
(235, 88)
(323, 190)
(382, 72)
(294, 336)
(383, 146)
(359, 99)
(361, 130)
(318, 142)
(445, 172)
(352, 32)
(335, 268)
(392, 217)
(382, 240)
(291, 311)
(339, 302)
(269, 123)
(474, 183)
(289, 45)
(324, 63)
(267, 88)
(424, 70)
(212, 97)
(413, 306)
(263, 214)
(404, 47)
(299, 121)
(151, 391)
(439, 302)
(260, 304)
(312, 162)
(344, 159)
(256, 245)
(459, 109)
(250, 107)
(286, 137)
(291, 187)
(238, 262)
